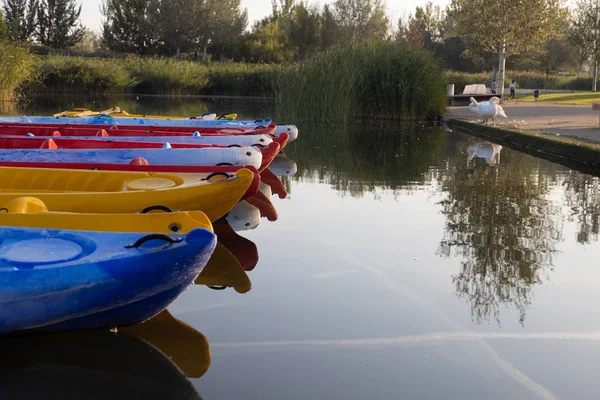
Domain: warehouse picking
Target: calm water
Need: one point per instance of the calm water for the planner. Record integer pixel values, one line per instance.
(406, 262)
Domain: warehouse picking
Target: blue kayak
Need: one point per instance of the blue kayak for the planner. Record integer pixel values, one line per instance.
(241, 156)
(104, 120)
(52, 280)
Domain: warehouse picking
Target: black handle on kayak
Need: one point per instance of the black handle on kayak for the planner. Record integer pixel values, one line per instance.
(154, 236)
(259, 145)
(260, 127)
(224, 164)
(208, 178)
(154, 208)
(222, 116)
(213, 287)
(4, 209)
(234, 145)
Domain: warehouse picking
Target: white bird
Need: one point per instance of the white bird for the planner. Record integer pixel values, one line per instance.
(490, 152)
(488, 109)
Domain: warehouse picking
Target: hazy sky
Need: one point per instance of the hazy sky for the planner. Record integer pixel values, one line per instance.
(257, 9)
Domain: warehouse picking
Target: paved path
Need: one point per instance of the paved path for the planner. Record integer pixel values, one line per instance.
(579, 121)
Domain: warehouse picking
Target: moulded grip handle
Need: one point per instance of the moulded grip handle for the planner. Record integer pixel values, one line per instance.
(154, 236)
(154, 208)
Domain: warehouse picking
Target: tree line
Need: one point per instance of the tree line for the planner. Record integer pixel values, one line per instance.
(468, 35)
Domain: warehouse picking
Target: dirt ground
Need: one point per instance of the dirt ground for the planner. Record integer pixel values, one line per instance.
(579, 121)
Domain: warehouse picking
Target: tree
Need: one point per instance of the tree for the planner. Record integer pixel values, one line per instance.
(304, 30)
(586, 32)
(177, 23)
(359, 20)
(506, 27)
(268, 43)
(223, 22)
(58, 23)
(20, 16)
(3, 28)
(126, 26)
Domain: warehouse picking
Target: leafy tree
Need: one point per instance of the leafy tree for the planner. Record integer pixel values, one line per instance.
(3, 28)
(424, 29)
(304, 30)
(268, 43)
(126, 26)
(58, 23)
(359, 21)
(223, 22)
(506, 27)
(20, 16)
(585, 32)
(177, 23)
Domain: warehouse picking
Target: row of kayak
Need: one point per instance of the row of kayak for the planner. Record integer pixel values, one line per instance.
(100, 229)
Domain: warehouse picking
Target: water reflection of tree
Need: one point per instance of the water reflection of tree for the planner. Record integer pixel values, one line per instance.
(500, 221)
(582, 196)
(364, 157)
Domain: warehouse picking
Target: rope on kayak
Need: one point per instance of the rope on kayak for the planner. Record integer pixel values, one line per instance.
(154, 236)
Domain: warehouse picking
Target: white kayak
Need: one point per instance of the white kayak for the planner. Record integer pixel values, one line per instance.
(239, 140)
(237, 156)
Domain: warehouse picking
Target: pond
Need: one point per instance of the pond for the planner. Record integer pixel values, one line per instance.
(406, 261)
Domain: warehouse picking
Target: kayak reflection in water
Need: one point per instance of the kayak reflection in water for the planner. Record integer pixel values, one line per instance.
(147, 361)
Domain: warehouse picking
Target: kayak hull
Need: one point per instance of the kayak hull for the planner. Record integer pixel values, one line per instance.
(239, 156)
(93, 279)
(192, 169)
(123, 192)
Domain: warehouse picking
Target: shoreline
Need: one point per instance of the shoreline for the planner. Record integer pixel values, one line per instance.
(570, 151)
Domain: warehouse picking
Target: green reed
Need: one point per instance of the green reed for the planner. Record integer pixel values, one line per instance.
(16, 66)
(383, 81)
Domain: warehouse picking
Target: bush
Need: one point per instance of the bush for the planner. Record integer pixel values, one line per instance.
(17, 66)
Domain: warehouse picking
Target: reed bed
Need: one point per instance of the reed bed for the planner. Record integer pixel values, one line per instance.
(384, 81)
(17, 66)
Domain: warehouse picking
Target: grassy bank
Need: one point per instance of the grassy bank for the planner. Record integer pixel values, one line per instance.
(580, 99)
(16, 67)
(571, 152)
(60, 74)
(523, 79)
(386, 81)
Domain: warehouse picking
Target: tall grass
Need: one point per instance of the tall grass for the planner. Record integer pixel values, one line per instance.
(385, 81)
(65, 74)
(523, 79)
(153, 76)
(16, 67)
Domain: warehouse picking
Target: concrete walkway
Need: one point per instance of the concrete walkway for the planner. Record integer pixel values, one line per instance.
(578, 121)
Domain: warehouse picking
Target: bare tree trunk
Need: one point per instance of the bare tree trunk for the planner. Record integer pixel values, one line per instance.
(204, 52)
(595, 75)
(178, 52)
(501, 71)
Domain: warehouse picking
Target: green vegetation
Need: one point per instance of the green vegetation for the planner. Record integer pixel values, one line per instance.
(17, 66)
(582, 99)
(384, 81)
(523, 79)
(153, 76)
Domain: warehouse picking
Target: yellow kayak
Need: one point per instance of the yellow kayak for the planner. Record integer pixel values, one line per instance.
(31, 212)
(117, 112)
(88, 191)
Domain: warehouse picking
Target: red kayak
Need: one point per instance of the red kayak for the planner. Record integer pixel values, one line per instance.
(93, 129)
(139, 165)
(268, 152)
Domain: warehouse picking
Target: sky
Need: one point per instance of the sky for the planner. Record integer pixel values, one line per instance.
(257, 9)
